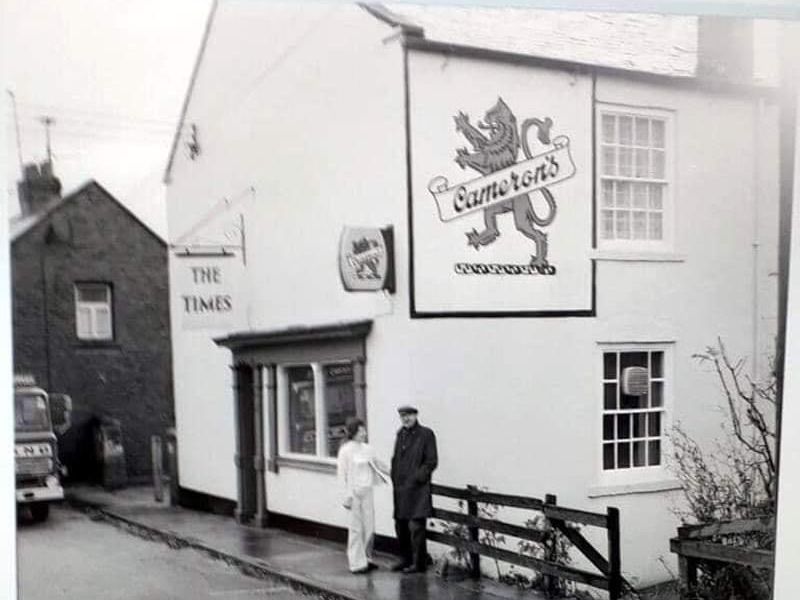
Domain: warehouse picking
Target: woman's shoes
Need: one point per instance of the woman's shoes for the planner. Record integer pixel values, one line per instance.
(370, 567)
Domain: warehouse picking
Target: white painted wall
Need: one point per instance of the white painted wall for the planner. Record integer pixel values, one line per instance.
(515, 402)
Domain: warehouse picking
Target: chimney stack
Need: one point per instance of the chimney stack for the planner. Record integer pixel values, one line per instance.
(39, 187)
(725, 48)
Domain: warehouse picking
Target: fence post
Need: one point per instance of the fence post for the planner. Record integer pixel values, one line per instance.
(614, 554)
(158, 466)
(550, 581)
(474, 534)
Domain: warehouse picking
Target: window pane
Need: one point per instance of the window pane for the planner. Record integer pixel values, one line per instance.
(627, 402)
(608, 456)
(609, 365)
(640, 195)
(654, 427)
(623, 455)
(609, 124)
(83, 322)
(657, 157)
(656, 364)
(656, 226)
(639, 425)
(656, 195)
(610, 395)
(608, 427)
(340, 403)
(626, 162)
(609, 160)
(92, 292)
(654, 453)
(625, 130)
(642, 132)
(623, 222)
(608, 193)
(302, 410)
(632, 359)
(642, 163)
(657, 133)
(639, 225)
(657, 392)
(623, 194)
(102, 323)
(623, 427)
(638, 454)
(608, 224)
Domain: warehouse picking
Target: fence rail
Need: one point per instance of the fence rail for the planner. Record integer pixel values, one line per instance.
(696, 544)
(609, 575)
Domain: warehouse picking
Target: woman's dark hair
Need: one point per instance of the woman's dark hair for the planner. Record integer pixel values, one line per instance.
(353, 425)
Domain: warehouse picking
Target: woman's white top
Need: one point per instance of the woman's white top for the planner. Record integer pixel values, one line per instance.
(356, 467)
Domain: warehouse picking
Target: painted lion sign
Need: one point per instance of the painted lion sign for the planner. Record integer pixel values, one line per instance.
(506, 184)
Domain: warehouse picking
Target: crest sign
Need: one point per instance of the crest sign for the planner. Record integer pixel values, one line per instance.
(366, 259)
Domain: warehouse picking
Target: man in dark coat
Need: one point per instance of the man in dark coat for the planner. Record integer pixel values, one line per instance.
(413, 462)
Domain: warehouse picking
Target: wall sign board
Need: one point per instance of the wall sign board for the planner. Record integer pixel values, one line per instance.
(206, 289)
(366, 259)
(501, 189)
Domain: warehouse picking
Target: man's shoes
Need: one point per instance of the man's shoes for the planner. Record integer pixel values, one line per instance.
(413, 569)
(372, 567)
(401, 566)
(361, 571)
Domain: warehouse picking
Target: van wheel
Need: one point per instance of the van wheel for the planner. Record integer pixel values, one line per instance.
(40, 511)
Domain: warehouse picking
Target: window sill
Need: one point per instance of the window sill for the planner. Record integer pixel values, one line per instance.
(638, 256)
(97, 345)
(320, 465)
(645, 487)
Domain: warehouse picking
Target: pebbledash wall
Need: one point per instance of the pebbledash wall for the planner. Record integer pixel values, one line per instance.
(333, 129)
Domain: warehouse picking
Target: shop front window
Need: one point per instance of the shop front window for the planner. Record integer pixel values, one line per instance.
(302, 410)
(340, 403)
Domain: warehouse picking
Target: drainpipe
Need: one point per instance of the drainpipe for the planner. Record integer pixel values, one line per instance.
(758, 115)
(43, 270)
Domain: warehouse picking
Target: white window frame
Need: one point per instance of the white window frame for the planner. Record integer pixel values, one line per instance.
(656, 474)
(321, 414)
(666, 244)
(94, 308)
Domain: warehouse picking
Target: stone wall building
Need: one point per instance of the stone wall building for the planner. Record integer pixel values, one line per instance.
(91, 314)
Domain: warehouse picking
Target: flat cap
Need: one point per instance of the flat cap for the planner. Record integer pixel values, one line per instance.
(407, 409)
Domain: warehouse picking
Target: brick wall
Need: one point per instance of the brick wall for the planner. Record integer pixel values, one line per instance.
(92, 238)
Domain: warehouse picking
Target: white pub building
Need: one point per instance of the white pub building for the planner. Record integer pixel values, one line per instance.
(494, 214)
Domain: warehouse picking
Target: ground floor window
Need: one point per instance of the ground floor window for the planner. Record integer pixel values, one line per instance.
(320, 398)
(633, 408)
(315, 401)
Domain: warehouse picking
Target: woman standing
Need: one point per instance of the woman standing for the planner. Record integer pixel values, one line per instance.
(359, 471)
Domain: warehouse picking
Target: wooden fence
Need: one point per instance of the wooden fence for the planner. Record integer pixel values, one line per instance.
(696, 544)
(609, 577)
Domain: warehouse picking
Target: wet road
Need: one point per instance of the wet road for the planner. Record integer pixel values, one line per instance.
(72, 556)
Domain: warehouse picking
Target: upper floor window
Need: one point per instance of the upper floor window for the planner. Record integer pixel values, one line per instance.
(634, 177)
(93, 314)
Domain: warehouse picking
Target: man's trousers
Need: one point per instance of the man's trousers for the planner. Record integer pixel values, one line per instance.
(411, 535)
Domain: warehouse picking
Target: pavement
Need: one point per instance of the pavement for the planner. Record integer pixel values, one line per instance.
(308, 564)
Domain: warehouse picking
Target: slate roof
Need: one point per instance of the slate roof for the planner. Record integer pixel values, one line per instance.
(19, 225)
(660, 44)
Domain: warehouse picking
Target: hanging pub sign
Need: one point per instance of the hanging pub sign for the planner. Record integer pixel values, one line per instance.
(366, 259)
(205, 285)
(501, 190)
